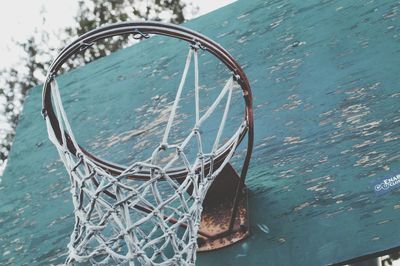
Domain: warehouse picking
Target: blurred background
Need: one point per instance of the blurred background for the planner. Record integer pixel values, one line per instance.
(30, 37)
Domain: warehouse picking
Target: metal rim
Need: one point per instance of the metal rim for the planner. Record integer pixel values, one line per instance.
(141, 30)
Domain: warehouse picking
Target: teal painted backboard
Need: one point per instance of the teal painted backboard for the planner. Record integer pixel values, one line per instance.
(326, 86)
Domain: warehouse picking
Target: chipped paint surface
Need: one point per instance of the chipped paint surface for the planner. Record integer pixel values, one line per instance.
(325, 79)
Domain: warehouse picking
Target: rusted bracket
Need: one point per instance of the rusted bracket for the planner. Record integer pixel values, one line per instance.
(215, 231)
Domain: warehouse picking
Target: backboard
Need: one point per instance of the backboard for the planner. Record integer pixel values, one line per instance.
(325, 82)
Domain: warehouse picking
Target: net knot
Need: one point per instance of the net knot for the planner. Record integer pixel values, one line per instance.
(84, 46)
(236, 77)
(196, 45)
(178, 257)
(179, 150)
(163, 146)
(138, 35)
(44, 113)
(139, 253)
(158, 252)
(197, 130)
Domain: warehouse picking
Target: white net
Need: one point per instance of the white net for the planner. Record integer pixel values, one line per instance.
(144, 215)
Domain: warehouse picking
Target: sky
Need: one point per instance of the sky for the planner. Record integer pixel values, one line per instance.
(17, 24)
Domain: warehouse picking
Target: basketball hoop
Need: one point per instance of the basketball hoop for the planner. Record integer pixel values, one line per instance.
(121, 220)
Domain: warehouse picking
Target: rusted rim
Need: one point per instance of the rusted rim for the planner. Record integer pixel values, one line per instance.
(142, 29)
